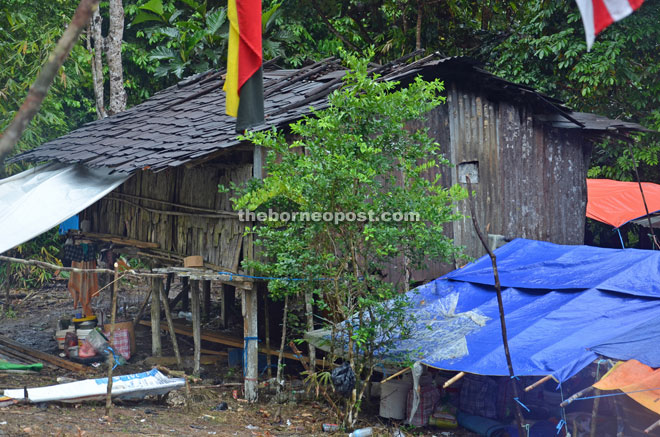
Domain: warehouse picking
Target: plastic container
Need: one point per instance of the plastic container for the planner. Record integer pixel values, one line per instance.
(393, 398)
(362, 432)
(60, 335)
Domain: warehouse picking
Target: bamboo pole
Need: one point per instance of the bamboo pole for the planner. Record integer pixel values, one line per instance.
(399, 373)
(537, 383)
(111, 357)
(453, 379)
(500, 305)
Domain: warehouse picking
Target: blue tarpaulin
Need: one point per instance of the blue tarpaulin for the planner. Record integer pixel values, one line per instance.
(564, 305)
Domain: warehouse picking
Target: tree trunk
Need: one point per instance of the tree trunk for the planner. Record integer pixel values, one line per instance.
(113, 56)
(418, 30)
(94, 33)
(309, 310)
(44, 80)
(280, 379)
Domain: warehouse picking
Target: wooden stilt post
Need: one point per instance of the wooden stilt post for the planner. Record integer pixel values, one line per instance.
(197, 325)
(111, 358)
(156, 347)
(170, 324)
(267, 333)
(206, 301)
(251, 355)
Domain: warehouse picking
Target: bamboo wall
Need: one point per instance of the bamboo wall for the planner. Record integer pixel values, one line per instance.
(132, 211)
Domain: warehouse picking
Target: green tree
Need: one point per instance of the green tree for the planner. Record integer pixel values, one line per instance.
(356, 159)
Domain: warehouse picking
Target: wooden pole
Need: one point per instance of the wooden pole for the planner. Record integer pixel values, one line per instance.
(498, 290)
(170, 324)
(251, 356)
(269, 371)
(394, 375)
(594, 414)
(138, 316)
(197, 325)
(156, 347)
(206, 302)
(111, 357)
(537, 383)
(453, 379)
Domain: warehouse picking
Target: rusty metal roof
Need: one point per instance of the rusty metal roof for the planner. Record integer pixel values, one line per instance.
(187, 121)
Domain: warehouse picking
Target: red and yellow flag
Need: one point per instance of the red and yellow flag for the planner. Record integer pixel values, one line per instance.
(244, 82)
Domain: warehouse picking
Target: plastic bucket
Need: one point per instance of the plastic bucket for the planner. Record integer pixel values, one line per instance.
(82, 335)
(393, 398)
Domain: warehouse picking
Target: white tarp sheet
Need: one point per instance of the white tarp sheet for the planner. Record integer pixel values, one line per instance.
(39, 199)
(135, 386)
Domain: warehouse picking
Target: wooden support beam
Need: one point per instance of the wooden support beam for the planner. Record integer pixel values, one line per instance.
(206, 300)
(197, 325)
(170, 323)
(156, 347)
(251, 338)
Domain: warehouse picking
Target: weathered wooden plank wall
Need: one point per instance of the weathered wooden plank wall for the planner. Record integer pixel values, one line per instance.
(531, 177)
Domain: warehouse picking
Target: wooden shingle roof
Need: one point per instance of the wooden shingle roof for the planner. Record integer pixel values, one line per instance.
(187, 121)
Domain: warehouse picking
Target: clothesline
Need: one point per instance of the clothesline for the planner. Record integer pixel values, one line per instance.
(75, 269)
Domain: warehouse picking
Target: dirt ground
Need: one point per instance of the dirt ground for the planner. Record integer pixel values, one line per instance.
(32, 324)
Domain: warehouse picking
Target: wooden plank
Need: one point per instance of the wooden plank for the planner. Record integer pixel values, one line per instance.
(57, 361)
(186, 361)
(215, 337)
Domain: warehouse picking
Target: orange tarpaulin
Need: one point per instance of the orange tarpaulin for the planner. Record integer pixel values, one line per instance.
(616, 203)
(637, 380)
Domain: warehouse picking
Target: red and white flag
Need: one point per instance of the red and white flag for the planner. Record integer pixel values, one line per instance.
(598, 14)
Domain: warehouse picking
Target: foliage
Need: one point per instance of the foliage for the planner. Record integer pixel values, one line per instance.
(618, 78)
(45, 247)
(194, 39)
(28, 33)
(355, 157)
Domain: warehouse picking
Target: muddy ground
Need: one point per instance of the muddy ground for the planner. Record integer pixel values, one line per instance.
(32, 322)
